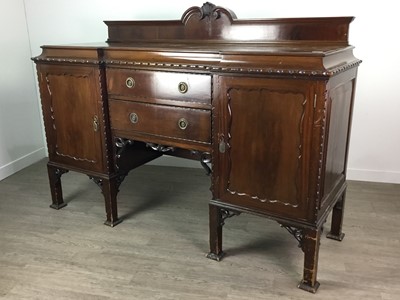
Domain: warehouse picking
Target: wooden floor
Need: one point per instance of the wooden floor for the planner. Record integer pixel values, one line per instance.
(158, 251)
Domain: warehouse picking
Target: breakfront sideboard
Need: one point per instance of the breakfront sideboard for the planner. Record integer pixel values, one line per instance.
(265, 105)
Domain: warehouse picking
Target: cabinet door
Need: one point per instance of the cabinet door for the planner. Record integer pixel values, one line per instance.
(72, 109)
(262, 144)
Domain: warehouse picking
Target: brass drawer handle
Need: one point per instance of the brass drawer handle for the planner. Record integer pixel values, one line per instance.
(183, 87)
(183, 123)
(133, 117)
(130, 82)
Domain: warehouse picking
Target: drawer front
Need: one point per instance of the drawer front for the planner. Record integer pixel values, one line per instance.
(159, 85)
(171, 122)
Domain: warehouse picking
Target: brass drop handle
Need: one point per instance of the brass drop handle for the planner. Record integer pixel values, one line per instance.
(133, 117)
(183, 123)
(183, 87)
(130, 82)
(95, 123)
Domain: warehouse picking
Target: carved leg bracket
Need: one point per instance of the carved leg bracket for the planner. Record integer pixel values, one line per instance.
(226, 214)
(55, 186)
(297, 234)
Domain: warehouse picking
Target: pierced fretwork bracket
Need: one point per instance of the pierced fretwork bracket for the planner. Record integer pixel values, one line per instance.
(59, 172)
(226, 214)
(97, 181)
(297, 234)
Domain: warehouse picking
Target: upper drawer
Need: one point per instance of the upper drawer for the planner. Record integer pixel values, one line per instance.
(185, 87)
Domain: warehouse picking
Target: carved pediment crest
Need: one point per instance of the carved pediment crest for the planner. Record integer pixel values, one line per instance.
(208, 10)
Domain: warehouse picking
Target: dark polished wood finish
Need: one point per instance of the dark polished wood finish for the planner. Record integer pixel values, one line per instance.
(268, 102)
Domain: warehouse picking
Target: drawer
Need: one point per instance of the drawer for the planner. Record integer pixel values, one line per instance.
(177, 123)
(159, 85)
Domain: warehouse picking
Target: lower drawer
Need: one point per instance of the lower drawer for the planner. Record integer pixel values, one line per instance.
(165, 122)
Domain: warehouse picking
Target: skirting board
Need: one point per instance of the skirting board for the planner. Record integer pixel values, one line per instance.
(22, 162)
(373, 176)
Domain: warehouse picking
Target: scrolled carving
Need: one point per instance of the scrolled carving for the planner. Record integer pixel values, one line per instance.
(121, 144)
(160, 148)
(208, 10)
(204, 160)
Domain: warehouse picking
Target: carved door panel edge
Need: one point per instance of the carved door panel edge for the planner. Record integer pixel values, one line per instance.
(261, 139)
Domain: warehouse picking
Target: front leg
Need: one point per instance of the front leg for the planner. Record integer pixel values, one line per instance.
(310, 246)
(55, 186)
(109, 188)
(216, 223)
(110, 191)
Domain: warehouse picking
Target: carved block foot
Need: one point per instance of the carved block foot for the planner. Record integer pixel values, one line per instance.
(112, 223)
(305, 286)
(58, 206)
(336, 237)
(217, 257)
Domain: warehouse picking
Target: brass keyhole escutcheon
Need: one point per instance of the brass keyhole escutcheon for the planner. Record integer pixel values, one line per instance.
(95, 123)
(130, 82)
(133, 117)
(183, 123)
(183, 87)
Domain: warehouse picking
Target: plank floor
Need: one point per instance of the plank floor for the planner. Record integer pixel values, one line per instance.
(158, 251)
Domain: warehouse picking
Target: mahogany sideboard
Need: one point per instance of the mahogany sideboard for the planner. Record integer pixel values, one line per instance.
(265, 105)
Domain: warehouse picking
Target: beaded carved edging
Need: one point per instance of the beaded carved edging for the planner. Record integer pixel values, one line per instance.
(272, 71)
(320, 122)
(67, 60)
(103, 98)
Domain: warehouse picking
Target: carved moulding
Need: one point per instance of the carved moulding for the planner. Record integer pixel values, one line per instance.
(265, 71)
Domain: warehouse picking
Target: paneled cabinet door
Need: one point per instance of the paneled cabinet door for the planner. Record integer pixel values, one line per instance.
(262, 144)
(72, 108)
